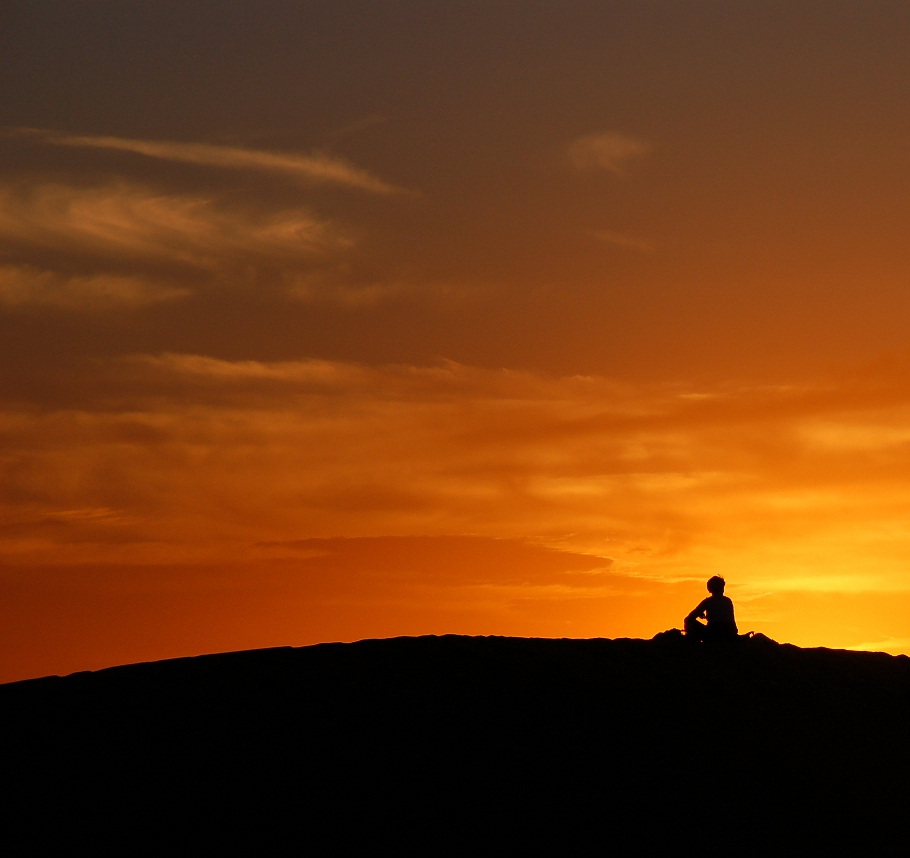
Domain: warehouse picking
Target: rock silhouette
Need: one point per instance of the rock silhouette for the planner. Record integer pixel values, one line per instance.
(486, 742)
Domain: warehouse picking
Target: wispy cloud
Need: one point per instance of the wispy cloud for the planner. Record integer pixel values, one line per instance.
(201, 458)
(610, 150)
(892, 645)
(23, 285)
(127, 220)
(311, 169)
(128, 243)
(321, 372)
(142, 245)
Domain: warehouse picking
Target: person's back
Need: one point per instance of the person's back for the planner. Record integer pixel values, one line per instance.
(718, 610)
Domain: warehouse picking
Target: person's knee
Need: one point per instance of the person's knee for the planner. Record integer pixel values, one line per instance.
(694, 627)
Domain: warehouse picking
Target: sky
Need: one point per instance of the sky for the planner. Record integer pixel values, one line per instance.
(333, 320)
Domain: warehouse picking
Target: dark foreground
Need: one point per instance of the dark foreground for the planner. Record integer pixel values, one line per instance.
(483, 742)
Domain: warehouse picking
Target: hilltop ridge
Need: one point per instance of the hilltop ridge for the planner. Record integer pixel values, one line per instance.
(643, 733)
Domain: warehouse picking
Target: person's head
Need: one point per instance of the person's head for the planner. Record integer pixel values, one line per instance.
(716, 585)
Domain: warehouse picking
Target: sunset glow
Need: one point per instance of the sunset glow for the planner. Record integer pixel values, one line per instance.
(337, 320)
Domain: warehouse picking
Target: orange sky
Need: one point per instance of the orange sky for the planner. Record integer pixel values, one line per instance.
(342, 319)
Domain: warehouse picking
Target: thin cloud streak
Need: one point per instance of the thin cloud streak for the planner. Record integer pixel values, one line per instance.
(611, 151)
(310, 169)
(23, 285)
(892, 645)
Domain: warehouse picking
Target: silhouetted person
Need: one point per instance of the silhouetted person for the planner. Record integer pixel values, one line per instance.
(718, 609)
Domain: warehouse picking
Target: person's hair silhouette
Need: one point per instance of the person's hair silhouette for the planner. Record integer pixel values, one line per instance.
(718, 609)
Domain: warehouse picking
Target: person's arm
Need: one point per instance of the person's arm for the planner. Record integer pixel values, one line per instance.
(699, 612)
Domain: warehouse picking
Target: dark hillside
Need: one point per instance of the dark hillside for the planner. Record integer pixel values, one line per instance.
(628, 740)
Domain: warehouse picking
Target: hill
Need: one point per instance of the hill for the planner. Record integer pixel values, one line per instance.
(629, 741)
